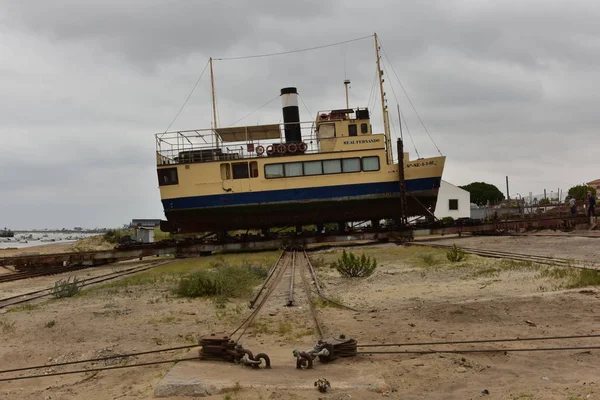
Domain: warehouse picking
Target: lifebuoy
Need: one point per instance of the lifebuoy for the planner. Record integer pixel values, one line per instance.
(270, 149)
(302, 147)
(281, 148)
(260, 150)
(292, 147)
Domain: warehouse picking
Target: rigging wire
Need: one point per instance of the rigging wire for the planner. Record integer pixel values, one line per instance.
(90, 360)
(81, 371)
(402, 117)
(188, 97)
(252, 112)
(305, 106)
(409, 100)
(372, 94)
(409, 134)
(293, 51)
(481, 350)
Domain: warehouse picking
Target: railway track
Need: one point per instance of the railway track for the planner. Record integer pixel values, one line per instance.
(545, 260)
(280, 287)
(38, 294)
(15, 276)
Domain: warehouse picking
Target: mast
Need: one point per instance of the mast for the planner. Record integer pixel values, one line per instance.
(214, 106)
(386, 124)
(346, 83)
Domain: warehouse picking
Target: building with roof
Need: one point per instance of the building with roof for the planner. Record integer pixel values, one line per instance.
(596, 185)
(452, 201)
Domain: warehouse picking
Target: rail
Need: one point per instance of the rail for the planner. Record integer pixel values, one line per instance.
(203, 145)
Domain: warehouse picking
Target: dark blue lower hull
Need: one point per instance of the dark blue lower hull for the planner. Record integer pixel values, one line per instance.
(306, 206)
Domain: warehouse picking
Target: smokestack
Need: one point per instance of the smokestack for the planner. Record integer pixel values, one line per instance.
(291, 115)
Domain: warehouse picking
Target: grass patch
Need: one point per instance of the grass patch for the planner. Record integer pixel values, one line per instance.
(585, 277)
(427, 260)
(486, 272)
(169, 319)
(455, 254)
(173, 271)
(223, 280)
(320, 302)
(24, 307)
(285, 328)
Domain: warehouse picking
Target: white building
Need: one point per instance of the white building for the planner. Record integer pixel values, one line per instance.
(452, 202)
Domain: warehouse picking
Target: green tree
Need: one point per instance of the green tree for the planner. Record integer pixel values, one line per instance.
(579, 192)
(481, 192)
(544, 202)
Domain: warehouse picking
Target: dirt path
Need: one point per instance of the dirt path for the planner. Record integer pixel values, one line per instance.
(415, 295)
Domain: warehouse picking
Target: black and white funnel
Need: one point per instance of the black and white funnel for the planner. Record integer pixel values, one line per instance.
(291, 115)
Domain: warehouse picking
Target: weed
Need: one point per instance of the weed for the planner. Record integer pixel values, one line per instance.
(285, 328)
(428, 259)
(7, 327)
(24, 307)
(164, 320)
(352, 266)
(50, 324)
(455, 254)
(65, 288)
(261, 327)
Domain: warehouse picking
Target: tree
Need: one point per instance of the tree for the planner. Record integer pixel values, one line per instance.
(544, 202)
(482, 192)
(579, 192)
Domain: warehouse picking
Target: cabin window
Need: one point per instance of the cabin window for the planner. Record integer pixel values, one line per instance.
(167, 176)
(452, 204)
(352, 130)
(253, 169)
(225, 171)
(364, 128)
(274, 171)
(351, 165)
(313, 168)
(293, 169)
(370, 163)
(240, 170)
(326, 131)
(332, 166)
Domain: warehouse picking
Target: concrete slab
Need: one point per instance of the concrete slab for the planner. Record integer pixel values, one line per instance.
(207, 378)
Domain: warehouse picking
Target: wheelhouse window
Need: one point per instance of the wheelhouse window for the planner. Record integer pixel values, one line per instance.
(351, 164)
(452, 204)
(370, 163)
(313, 168)
(240, 170)
(274, 171)
(326, 131)
(332, 166)
(167, 176)
(364, 128)
(352, 130)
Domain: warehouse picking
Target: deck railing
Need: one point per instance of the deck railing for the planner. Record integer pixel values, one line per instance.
(203, 145)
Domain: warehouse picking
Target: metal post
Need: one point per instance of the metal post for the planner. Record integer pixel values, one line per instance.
(403, 218)
(507, 193)
(346, 83)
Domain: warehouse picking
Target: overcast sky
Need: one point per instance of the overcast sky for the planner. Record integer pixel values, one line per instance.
(504, 88)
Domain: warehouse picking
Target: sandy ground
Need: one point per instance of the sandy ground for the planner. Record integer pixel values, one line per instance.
(412, 297)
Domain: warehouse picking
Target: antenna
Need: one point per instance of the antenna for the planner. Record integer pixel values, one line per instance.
(346, 84)
(214, 106)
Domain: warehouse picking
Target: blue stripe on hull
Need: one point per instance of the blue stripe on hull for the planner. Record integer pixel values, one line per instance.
(324, 193)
